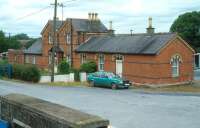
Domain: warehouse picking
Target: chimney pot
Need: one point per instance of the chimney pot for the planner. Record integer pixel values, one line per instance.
(92, 16)
(150, 29)
(110, 27)
(89, 16)
(95, 16)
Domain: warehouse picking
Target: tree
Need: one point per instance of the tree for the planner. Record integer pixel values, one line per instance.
(21, 36)
(188, 27)
(8, 42)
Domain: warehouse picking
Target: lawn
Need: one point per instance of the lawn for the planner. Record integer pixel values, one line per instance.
(191, 88)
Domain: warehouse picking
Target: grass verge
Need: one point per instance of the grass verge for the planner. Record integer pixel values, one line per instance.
(188, 88)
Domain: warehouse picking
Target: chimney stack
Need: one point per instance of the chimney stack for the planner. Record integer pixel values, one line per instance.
(150, 29)
(111, 31)
(95, 16)
(89, 16)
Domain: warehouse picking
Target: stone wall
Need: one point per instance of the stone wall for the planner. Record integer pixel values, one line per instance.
(29, 112)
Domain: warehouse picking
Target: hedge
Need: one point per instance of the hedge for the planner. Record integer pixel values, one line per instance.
(63, 67)
(26, 72)
(89, 67)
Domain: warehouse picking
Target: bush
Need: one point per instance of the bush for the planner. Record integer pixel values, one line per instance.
(89, 67)
(63, 67)
(26, 72)
(3, 62)
(76, 74)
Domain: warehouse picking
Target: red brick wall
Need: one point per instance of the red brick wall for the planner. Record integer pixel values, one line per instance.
(15, 56)
(146, 69)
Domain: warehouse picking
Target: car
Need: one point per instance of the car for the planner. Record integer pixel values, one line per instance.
(107, 79)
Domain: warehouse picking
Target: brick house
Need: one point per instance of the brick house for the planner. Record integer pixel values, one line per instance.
(70, 34)
(150, 58)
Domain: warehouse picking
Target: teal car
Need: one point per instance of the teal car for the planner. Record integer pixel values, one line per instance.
(107, 79)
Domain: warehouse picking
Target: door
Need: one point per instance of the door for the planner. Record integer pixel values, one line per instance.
(119, 67)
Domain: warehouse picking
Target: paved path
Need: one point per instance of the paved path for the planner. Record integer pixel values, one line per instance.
(124, 108)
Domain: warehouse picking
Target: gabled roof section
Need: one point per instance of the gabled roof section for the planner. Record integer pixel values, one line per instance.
(50, 22)
(85, 25)
(35, 48)
(144, 44)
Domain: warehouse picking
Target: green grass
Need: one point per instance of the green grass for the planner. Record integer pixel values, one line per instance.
(73, 84)
(190, 88)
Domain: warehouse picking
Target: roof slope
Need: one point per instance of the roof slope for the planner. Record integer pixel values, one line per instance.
(50, 22)
(126, 44)
(35, 48)
(84, 25)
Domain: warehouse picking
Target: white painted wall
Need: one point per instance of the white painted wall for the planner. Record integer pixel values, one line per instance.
(83, 77)
(58, 78)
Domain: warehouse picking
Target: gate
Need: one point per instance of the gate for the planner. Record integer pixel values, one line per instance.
(6, 70)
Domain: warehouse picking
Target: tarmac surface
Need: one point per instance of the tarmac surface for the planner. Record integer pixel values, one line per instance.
(124, 108)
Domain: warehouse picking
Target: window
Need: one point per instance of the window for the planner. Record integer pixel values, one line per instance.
(68, 59)
(175, 63)
(83, 58)
(26, 59)
(101, 62)
(50, 39)
(33, 60)
(50, 58)
(68, 38)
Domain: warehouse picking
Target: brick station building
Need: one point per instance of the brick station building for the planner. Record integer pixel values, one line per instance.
(149, 58)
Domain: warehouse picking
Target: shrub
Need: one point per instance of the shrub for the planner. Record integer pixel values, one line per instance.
(63, 67)
(26, 72)
(3, 62)
(76, 74)
(89, 67)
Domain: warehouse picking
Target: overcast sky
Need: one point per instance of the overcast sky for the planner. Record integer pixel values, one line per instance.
(22, 16)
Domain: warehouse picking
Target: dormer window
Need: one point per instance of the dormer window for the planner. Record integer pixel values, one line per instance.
(50, 39)
(68, 38)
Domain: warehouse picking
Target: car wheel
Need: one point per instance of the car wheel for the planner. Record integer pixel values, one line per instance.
(114, 86)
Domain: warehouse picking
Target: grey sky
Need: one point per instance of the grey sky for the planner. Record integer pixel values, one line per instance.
(125, 14)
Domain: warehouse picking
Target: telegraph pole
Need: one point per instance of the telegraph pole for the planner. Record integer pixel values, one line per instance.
(62, 6)
(54, 41)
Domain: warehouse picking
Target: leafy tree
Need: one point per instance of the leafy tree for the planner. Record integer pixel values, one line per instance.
(8, 42)
(188, 27)
(21, 36)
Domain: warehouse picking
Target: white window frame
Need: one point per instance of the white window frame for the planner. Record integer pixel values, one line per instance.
(50, 58)
(27, 59)
(68, 38)
(175, 65)
(175, 68)
(33, 60)
(50, 39)
(83, 58)
(68, 59)
(101, 62)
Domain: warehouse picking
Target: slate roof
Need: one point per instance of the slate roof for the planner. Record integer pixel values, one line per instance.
(58, 23)
(84, 25)
(35, 48)
(126, 44)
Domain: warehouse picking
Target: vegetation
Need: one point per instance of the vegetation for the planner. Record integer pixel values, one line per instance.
(26, 72)
(63, 67)
(89, 67)
(8, 42)
(188, 27)
(76, 74)
(3, 62)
